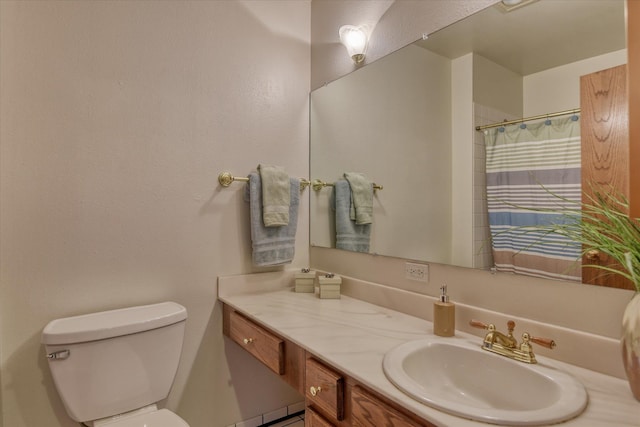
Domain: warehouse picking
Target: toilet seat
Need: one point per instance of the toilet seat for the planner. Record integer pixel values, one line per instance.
(160, 418)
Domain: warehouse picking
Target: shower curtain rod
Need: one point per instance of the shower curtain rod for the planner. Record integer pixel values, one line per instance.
(541, 116)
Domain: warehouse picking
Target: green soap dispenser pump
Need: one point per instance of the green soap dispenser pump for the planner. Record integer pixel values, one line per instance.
(444, 315)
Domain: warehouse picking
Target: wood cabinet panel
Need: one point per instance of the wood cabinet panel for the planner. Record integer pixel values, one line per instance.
(294, 359)
(368, 410)
(313, 419)
(324, 389)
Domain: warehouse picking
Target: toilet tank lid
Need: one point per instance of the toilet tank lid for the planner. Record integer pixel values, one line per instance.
(112, 323)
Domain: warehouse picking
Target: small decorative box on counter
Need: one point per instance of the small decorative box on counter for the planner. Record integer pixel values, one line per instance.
(330, 286)
(305, 280)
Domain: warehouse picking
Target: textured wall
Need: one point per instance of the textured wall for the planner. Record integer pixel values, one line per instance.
(116, 119)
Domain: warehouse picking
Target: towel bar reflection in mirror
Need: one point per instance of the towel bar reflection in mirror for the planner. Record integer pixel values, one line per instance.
(225, 179)
(319, 185)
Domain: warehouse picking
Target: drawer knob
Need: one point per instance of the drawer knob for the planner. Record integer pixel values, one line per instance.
(315, 390)
(248, 340)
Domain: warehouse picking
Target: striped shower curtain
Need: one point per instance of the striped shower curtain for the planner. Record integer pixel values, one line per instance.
(532, 171)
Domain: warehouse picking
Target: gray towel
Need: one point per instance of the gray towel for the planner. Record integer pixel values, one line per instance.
(271, 245)
(349, 235)
(275, 195)
(361, 198)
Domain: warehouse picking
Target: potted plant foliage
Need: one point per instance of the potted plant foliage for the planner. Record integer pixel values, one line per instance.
(601, 224)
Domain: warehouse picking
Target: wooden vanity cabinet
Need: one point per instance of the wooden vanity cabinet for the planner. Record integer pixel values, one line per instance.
(332, 399)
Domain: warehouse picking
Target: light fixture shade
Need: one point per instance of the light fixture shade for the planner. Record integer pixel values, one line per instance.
(355, 40)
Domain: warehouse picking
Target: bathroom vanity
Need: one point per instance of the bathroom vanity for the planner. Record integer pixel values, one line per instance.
(332, 398)
(332, 352)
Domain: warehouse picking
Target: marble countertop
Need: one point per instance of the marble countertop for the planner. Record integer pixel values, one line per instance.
(353, 336)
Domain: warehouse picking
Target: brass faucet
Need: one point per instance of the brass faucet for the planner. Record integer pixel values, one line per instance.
(507, 345)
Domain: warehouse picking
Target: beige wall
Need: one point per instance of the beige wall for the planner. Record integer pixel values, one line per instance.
(461, 161)
(585, 308)
(558, 89)
(496, 86)
(117, 118)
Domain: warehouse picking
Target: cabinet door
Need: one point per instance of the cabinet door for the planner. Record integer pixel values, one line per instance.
(313, 419)
(369, 411)
(324, 389)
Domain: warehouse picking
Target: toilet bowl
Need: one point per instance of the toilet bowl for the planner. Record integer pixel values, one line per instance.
(111, 368)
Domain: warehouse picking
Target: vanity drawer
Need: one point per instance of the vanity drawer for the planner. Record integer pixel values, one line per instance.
(266, 347)
(369, 411)
(313, 419)
(324, 389)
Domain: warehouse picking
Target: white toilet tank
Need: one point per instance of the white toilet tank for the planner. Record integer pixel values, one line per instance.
(108, 363)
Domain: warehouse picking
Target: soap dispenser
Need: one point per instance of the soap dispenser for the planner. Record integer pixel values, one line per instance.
(444, 315)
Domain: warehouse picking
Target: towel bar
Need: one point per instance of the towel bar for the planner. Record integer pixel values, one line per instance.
(225, 179)
(319, 185)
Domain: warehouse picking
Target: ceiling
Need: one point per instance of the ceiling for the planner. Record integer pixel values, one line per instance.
(535, 37)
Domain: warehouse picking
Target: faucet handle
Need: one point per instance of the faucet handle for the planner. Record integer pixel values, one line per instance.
(481, 325)
(544, 342)
(478, 324)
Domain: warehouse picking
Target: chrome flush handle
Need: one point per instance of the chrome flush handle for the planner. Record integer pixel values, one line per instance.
(59, 355)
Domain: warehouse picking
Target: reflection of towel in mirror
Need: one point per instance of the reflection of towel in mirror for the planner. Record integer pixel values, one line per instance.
(349, 235)
(275, 195)
(361, 198)
(272, 245)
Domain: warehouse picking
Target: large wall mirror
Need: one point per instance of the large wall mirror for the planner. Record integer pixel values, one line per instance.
(407, 121)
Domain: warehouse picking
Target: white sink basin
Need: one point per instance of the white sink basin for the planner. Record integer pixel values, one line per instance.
(457, 377)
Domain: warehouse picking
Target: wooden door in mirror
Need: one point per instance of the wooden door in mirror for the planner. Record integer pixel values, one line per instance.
(633, 49)
(604, 134)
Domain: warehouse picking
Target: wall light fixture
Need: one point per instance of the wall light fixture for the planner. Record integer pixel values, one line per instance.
(355, 40)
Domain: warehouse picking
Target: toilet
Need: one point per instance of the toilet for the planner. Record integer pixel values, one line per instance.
(111, 368)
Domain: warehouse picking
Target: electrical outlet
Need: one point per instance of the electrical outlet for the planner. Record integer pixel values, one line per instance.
(419, 272)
